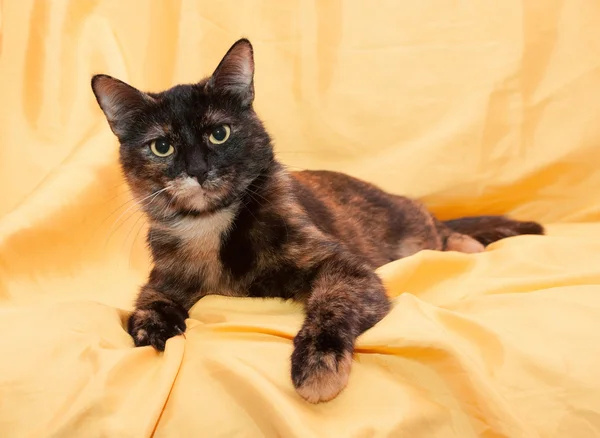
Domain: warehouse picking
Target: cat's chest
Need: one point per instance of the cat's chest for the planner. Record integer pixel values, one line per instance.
(198, 249)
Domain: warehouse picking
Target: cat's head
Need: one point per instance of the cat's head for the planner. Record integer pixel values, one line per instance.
(192, 149)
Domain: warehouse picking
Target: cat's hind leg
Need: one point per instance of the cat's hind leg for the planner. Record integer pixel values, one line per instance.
(423, 231)
(455, 241)
(463, 243)
(420, 230)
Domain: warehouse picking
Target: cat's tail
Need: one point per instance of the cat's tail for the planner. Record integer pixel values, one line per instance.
(488, 229)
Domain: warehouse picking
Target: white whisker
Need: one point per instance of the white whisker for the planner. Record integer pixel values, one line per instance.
(139, 203)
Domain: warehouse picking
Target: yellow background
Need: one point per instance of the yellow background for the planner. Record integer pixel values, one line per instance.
(473, 106)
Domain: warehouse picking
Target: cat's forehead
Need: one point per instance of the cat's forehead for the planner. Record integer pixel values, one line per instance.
(193, 104)
(183, 92)
(182, 98)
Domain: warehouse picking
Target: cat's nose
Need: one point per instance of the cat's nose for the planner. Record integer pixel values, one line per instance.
(200, 175)
(198, 170)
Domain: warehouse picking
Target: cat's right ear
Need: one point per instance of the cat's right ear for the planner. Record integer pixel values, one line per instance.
(119, 102)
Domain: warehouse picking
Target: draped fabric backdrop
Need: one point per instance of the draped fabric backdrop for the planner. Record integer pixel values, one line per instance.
(475, 107)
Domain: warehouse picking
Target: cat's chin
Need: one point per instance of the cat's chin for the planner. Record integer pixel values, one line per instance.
(204, 210)
(198, 203)
(199, 200)
(202, 203)
(189, 195)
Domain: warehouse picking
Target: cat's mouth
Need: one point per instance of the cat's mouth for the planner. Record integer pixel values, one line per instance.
(189, 195)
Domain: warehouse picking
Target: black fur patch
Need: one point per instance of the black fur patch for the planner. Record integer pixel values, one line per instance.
(285, 280)
(239, 250)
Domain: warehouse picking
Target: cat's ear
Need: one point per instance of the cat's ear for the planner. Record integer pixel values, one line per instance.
(235, 73)
(119, 102)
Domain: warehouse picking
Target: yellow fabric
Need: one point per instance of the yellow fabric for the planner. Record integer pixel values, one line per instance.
(476, 107)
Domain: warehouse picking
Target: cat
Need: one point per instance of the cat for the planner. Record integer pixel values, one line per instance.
(227, 218)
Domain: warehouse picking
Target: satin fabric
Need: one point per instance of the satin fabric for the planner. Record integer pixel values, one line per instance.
(474, 107)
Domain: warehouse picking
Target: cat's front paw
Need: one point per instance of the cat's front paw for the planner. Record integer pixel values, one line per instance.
(320, 374)
(154, 324)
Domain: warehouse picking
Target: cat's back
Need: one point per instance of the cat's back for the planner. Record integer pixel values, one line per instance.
(367, 219)
(339, 191)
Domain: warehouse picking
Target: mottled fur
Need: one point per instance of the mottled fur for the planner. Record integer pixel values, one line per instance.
(229, 219)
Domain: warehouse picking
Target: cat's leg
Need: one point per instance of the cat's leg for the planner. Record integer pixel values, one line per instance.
(347, 299)
(158, 315)
(455, 241)
(424, 231)
(463, 243)
(417, 230)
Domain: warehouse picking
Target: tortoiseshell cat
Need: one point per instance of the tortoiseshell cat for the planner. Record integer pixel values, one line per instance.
(227, 218)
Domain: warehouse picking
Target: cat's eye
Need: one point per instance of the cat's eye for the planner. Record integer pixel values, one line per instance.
(161, 148)
(220, 134)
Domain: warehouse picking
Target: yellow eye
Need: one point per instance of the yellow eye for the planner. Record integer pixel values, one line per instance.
(220, 134)
(161, 148)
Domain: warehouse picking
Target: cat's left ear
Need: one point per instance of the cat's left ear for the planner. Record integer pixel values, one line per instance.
(235, 73)
(120, 102)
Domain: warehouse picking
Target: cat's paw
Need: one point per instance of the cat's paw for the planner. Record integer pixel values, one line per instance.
(319, 375)
(154, 324)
